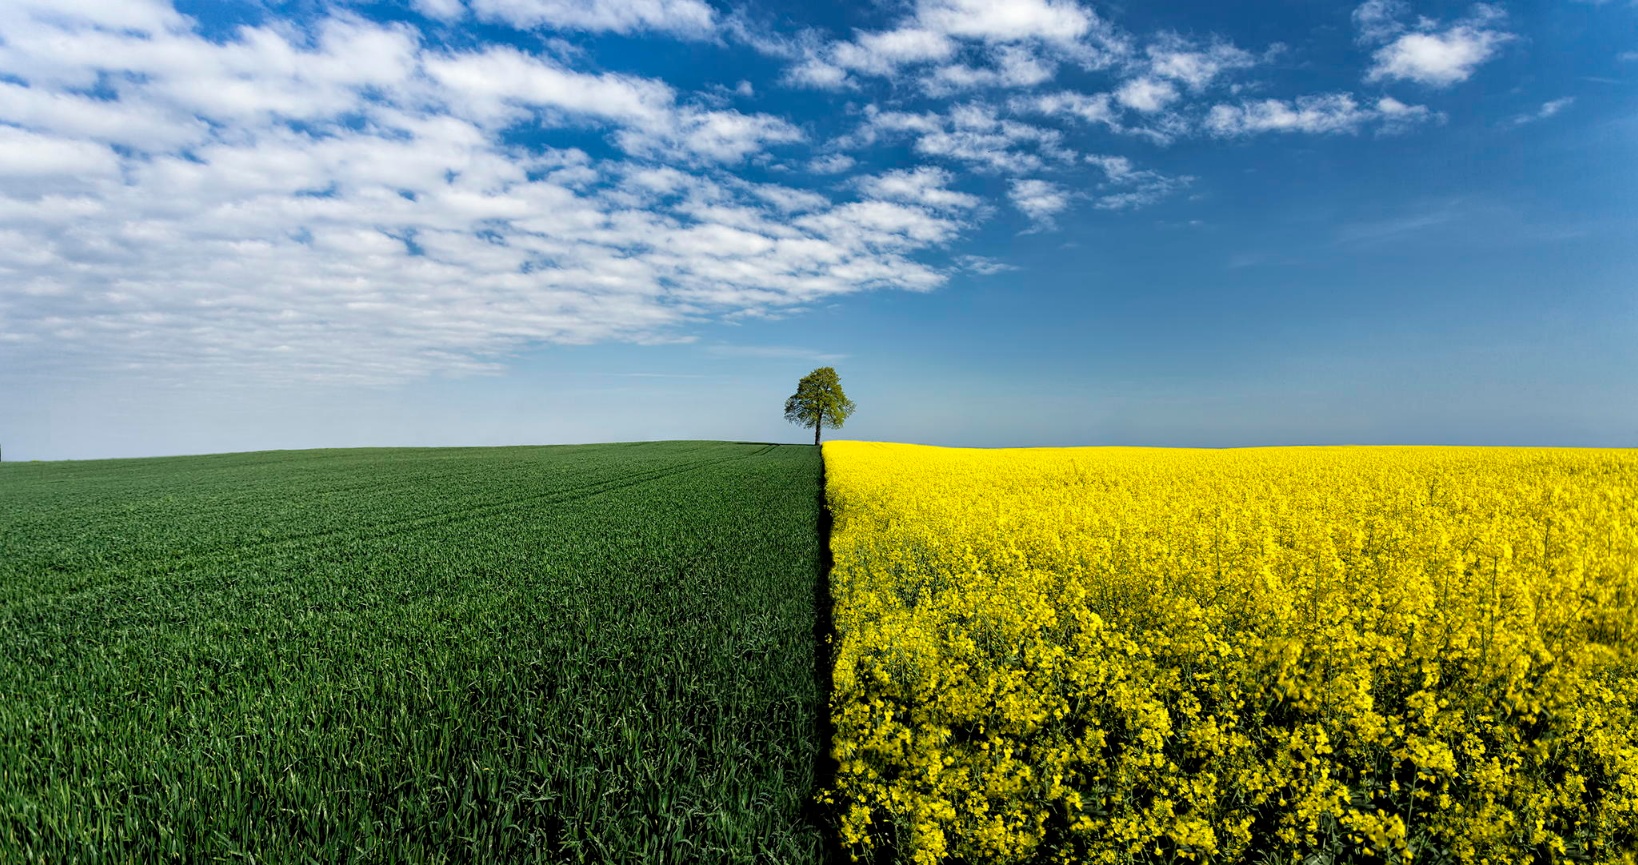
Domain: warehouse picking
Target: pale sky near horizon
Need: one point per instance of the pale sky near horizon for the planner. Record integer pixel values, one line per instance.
(232, 226)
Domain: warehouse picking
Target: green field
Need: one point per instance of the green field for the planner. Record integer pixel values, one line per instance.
(578, 653)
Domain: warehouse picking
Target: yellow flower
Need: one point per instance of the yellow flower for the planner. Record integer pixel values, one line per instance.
(1118, 654)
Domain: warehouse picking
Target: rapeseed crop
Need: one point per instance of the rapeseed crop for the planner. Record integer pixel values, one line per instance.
(1265, 655)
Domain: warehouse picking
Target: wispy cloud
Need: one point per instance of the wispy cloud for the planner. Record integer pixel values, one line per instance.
(775, 352)
(686, 18)
(925, 186)
(332, 198)
(341, 203)
(834, 163)
(960, 44)
(1402, 226)
(983, 265)
(1548, 109)
(1328, 113)
(1040, 200)
(974, 133)
(1126, 186)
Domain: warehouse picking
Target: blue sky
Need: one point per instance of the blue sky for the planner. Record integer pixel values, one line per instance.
(234, 226)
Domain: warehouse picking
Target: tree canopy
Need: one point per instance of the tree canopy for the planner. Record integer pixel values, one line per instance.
(819, 402)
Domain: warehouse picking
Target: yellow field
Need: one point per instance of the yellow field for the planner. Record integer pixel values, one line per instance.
(1122, 654)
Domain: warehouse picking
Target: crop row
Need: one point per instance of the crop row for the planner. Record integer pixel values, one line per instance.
(505, 654)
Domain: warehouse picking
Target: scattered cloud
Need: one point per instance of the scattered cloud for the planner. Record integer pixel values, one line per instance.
(686, 18)
(503, 85)
(1059, 21)
(341, 199)
(881, 53)
(1551, 108)
(342, 203)
(1174, 58)
(924, 186)
(982, 265)
(1011, 66)
(1427, 52)
(1127, 187)
(974, 134)
(442, 10)
(1147, 95)
(1327, 113)
(1088, 108)
(1040, 200)
(1394, 116)
(834, 163)
(964, 44)
(1379, 21)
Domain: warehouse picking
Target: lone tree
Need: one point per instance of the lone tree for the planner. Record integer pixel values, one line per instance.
(819, 402)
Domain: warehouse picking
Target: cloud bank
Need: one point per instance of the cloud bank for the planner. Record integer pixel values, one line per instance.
(341, 199)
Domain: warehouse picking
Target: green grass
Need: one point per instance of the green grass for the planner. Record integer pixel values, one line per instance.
(584, 653)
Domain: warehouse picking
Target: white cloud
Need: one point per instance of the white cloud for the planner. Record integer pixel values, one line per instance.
(1396, 116)
(503, 85)
(1627, 56)
(1146, 95)
(723, 136)
(340, 200)
(352, 210)
(834, 163)
(972, 133)
(1017, 20)
(141, 16)
(1091, 108)
(1127, 187)
(1379, 20)
(982, 265)
(1162, 120)
(886, 51)
(143, 126)
(1019, 67)
(926, 186)
(1011, 66)
(1428, 53)
(1319, 114)
(819, 74)
(1153, 100)
(1040, 200)
(1174, 58)
(443, 10)
(1436, 59)
(1015, 44)
(1548, 109)
(28, 155)
(689, 18)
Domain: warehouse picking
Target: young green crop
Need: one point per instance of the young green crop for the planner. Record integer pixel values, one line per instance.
(505, 654)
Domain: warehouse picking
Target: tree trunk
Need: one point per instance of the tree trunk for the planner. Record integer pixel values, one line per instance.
(817, 422)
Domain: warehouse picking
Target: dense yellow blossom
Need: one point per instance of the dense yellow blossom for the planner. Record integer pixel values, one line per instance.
(1125, 654)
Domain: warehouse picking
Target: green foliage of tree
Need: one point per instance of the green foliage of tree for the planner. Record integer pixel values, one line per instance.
(819, 402)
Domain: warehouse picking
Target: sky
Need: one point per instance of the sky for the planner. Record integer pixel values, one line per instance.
(230, 226)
